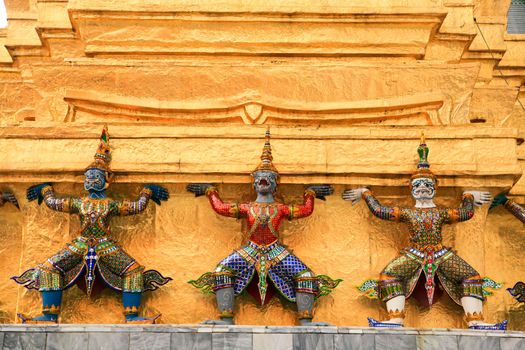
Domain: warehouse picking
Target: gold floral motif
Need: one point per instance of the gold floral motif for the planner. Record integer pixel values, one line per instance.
(473, 316)
(396, 314)
(53, 309)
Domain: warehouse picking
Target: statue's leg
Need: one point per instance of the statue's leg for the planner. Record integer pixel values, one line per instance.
(225, 299)
(305, 298)
(231, 276)
(295, 280)
(392, 289)
(132, 287)
(473, 308)
(51, 301)
(396, 310)
(462, 282)
(225, 295)
(131, 302)
(50, 283)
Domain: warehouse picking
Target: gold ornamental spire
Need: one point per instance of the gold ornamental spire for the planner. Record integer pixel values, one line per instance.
(266, 156)
(423, 166)
(102, 158)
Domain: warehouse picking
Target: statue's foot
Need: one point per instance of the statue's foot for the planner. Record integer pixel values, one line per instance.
(44, 319)
(221, 322)
(314, 324)
(142, 320)
(502, 326)
(385, 324)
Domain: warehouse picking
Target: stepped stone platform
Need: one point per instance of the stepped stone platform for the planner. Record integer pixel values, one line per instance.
(203, 337)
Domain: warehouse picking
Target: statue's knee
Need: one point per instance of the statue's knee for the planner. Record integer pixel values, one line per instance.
(306, 282)
(133, 280)
(473, 287)
(223, 278)
(389, 287)
(49, 277)
(306, 274)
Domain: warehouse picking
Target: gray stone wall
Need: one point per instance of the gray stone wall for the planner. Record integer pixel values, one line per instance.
(202, 337)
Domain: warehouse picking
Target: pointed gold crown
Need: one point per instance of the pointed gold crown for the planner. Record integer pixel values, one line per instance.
(266, 157)
(423, 166)
(103, 155)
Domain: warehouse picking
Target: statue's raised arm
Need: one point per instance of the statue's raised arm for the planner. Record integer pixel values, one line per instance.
(8, 197)
(233, 210)
(518, 290)
(380, 211)
(297, 211)
(465, 212)
(155, 193)
(44, 192)
(514, 208)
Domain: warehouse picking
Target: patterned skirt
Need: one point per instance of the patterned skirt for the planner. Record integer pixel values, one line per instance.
(104, 258)
(457, 277)
(274, 263)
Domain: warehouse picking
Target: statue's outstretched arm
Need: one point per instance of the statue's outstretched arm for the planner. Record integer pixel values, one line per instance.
(232, 210)
(8, 197)
(466, 210)
(296, 211)
(44, 193)
(380, 211)
(517, 210)
(154, 192)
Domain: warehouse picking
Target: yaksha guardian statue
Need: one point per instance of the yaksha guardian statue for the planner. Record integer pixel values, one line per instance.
(518, 291)
(93, 255)
(426, 257)
(264, 256)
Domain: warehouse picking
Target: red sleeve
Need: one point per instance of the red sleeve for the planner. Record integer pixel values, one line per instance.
(295, 211)
(232, 210)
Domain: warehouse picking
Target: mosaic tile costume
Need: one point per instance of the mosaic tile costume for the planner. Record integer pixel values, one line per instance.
(264, 259)
(426, 254)
(93, 255)
(426, 261)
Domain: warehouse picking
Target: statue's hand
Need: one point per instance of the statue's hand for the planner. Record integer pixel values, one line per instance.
(9, 197)
(354, 195)
(498, 200)
(35, 192)
(158, 193)
(480, 198)
(321, 191)
(198, 189)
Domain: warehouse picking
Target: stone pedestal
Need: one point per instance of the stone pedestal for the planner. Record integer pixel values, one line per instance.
(202, 337)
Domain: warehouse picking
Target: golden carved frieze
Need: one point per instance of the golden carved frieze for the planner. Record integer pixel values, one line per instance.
(253, 108)
(218, 28)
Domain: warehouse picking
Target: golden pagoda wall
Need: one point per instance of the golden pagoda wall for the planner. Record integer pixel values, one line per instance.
(347, 92)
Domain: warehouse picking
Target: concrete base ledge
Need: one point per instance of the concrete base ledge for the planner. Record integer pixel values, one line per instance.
(203, 337)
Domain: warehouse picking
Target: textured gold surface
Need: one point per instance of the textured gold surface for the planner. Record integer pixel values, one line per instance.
(161, 72)
(184, 238)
